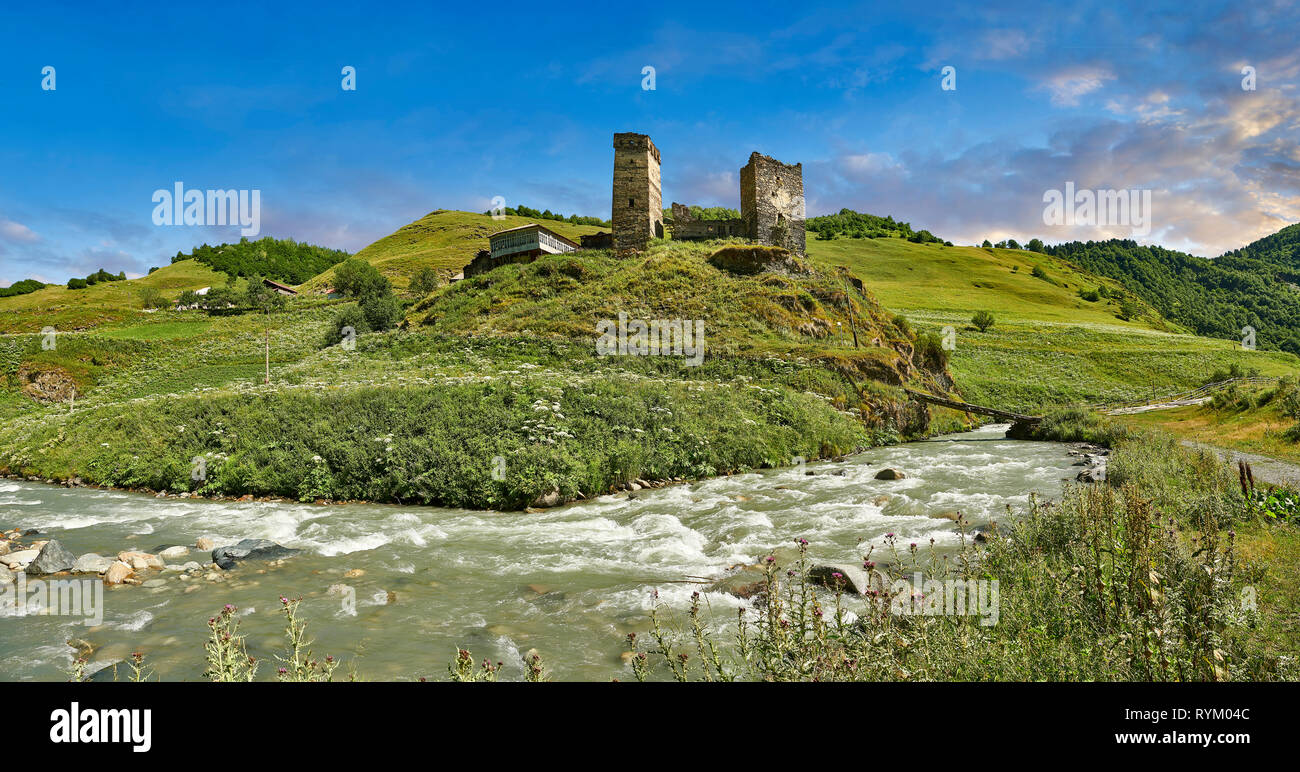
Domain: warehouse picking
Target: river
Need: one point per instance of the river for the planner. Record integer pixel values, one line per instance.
(570, 582)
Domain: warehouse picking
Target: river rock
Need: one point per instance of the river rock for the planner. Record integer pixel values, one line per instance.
(53, 558)
(853, 578)
(117, 573)
(154, 583)
(890, 473)
(171, 553)
(140, 561)
(16, 561)
(551, 499)
(205, 544)
(90, 563)
(249, 549)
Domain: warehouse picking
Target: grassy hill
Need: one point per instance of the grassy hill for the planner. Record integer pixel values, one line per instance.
(1049, 345)
(100, 304)
(443, 240)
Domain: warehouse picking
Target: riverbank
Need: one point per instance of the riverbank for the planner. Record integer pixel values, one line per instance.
(569, 581)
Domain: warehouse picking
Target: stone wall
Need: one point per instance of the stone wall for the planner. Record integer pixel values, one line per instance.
(686, 227)
(771, 202)
(637, 211)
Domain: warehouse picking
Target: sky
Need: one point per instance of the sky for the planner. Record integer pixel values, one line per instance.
(457, 104)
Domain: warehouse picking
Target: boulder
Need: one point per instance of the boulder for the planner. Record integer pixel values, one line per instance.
(205, 544)
(117, 573)
(171, 553)
(890, 473)
(852, 578)
(16, 561)
(90, 563)
(53, 558)
(551, 499)
(249, 549)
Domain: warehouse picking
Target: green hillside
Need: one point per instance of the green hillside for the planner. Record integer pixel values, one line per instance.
(443, 240)
(1049, 345)
(100, 304)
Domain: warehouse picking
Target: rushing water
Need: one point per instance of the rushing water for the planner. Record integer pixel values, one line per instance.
(570, 582)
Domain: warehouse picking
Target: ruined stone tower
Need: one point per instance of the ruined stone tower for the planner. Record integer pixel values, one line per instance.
(771, 202)
(638, 213)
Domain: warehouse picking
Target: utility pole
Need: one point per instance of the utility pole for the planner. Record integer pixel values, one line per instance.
(268, 349)
(848, 298)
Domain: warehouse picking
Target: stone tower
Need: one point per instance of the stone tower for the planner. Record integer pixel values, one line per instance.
(638, 211)
(771, 202)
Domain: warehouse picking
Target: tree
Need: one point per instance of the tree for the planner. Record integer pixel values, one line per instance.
(152, 297)
(77, 284)
(1036, 245)
(425, 281)
(982, 320)
(382, 312)
(356, 278)
(987, 244)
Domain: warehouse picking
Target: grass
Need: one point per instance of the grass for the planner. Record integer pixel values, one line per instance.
(1248, 419)
(1048, 346)
(105, 303)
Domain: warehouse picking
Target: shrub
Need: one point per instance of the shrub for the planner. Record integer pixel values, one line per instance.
(982, 320)
(77, 284)
(382, 312)
(356, 278)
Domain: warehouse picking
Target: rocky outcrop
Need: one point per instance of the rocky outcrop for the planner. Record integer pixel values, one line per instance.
(750, 260)
(889, 473)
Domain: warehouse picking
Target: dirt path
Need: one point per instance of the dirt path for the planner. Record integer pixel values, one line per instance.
(1265, 468)
(1158, 406)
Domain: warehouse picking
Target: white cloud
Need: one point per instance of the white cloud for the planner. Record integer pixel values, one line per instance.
(14, 231)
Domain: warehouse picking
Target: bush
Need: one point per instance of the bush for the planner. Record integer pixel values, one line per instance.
(982, 320)
(77, 284)
(356, 278)
(382, 312)
(152, 297)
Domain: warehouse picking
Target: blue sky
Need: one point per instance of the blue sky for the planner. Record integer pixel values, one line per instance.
(457, 104)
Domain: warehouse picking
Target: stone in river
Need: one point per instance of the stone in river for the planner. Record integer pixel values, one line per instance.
(90, 563)
(19, 560)
(171, 553)
(117, 573)
(890, 473)
(851, 578)
(139, 561)
(205, 544)
(249, 549)
(53, 558)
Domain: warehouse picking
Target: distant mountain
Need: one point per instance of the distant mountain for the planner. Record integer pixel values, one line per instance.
(1256, 286)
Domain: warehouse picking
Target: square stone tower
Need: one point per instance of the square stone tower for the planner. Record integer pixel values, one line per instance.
(771, 202)
(638, 211)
